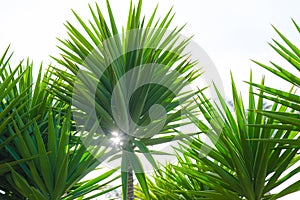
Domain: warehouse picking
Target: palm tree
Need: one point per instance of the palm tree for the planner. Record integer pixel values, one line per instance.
(10, 100)
(42, 157)
(168, 183)
(62, 162)
(114, 78)
(290, 53)
(236, 164)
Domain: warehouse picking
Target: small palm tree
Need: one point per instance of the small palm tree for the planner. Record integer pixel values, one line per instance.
(290, 53)
(236, 164)
(168, 183)
(114, 78)
(41, 155)
(62, 161)
(10, 100)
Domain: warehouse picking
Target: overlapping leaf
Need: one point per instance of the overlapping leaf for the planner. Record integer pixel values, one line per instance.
(141, 66)
(290, 73)
(242, 163)
(41, 156)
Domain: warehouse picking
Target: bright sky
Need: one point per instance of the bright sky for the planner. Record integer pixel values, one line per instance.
(231, 31)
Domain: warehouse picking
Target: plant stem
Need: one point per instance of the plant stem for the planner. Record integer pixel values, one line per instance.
(130, 187)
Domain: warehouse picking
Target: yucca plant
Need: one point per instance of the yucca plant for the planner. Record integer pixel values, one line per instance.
(291, 54)
(7, 78)
(41, 156)
(62, 162)
(10, 100)
(119, 76)
(236, 164)
(171, 184)
(17, 104)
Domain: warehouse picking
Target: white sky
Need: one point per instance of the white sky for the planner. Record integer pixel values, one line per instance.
(230, 31)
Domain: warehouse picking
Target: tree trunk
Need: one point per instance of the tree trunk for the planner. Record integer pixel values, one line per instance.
(130, 186)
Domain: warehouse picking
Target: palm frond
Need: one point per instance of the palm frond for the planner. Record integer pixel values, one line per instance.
(243, 161)
(117, 76)
(41, 156)
(60, 165)
(291, 54)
